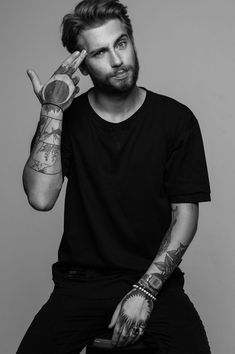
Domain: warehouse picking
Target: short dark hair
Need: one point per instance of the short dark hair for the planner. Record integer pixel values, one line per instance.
(90, 13)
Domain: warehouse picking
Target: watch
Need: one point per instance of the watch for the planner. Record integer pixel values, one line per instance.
(152, 281)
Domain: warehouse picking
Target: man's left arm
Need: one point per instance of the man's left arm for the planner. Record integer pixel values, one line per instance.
(132, 313)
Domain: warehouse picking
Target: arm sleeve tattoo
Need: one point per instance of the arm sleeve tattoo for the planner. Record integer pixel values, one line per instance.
(45, 155)
(169, 254)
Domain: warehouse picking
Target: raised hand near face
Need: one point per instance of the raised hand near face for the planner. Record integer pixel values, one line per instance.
(62, 87)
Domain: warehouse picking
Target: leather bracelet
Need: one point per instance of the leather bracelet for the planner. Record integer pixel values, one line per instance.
(53, 104)
(145, 291)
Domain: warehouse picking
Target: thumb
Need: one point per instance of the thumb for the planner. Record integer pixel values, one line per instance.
(37, 86)
(76, 92)
(115, 316)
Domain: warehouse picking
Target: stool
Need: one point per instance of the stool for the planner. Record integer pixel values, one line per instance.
(98, 347)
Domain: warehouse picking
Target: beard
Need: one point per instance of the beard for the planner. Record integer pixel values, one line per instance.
(110, 85)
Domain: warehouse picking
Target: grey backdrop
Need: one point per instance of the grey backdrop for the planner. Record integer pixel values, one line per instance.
(186, 50)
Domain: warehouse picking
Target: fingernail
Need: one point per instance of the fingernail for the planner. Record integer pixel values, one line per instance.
(84, 51)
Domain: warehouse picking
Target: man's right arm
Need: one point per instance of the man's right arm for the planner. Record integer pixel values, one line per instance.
(42, 176)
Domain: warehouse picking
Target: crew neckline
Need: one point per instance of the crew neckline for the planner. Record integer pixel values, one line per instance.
(111, 125)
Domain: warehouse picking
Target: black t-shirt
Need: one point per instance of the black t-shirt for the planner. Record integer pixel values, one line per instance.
(122, 178)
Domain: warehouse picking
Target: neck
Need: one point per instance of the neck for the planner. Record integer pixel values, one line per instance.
(116, 108)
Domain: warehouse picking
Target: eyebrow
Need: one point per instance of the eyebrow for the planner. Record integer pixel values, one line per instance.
(122, 36)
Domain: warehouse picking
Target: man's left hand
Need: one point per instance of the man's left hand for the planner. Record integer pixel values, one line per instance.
(130, 318)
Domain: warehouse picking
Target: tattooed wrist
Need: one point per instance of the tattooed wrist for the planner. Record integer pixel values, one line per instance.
(151, 282)
(51, 111)
(53, 106)
(128, 320)
(145, 290)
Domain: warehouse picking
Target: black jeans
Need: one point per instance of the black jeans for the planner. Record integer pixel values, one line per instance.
(68, 321)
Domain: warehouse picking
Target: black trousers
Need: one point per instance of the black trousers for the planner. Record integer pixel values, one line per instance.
(68, 321)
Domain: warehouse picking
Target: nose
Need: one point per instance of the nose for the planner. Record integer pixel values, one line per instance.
(115, 59)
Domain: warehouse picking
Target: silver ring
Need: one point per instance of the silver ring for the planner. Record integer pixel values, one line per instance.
(141, 330)
(135, 331)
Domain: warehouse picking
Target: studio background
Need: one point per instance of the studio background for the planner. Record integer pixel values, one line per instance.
(186, 50)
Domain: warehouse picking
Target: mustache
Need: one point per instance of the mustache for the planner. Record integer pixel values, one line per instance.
(123, 68)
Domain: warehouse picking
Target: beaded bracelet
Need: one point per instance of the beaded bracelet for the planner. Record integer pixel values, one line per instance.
(144, 291)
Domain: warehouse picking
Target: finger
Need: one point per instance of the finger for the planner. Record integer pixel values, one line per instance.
(76, 92)
(37, 86)
(70, 66)
(122, 340)
(123, 337)
(139, 335)
(116, 334)
(115, 316)
(130, 337)
(71, 58)
(80, 59)
(129, 340)
(76, 80)
(135, 339)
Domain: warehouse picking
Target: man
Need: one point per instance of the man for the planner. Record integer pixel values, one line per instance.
(136, 172)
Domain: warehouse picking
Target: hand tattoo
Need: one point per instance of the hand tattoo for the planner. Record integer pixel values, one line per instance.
(62, 87)
(134, 313)
(58, 90)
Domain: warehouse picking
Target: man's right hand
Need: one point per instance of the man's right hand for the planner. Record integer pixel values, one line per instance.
(62, 87)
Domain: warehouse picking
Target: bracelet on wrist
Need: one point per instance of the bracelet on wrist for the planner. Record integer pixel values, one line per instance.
(145, 292)
(151, 282)
(147, 288)
(53, 104)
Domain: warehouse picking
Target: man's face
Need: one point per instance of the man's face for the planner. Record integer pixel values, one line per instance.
(111, 61)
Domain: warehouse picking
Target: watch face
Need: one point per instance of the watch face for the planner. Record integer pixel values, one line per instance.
(155, 282)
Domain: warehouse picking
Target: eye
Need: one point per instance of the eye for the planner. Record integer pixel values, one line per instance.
(99, 54)
(122, 44)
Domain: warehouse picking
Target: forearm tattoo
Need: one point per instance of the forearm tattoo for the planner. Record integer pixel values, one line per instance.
(172, 259)
(46, 151)
(172, 256)
(167, 239)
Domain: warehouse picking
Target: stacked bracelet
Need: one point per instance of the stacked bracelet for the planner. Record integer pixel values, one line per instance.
(144, 291)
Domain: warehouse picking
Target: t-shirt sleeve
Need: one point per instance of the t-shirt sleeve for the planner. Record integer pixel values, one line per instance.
(187, 178)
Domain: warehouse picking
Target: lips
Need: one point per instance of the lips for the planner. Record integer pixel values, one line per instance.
(121, 74)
